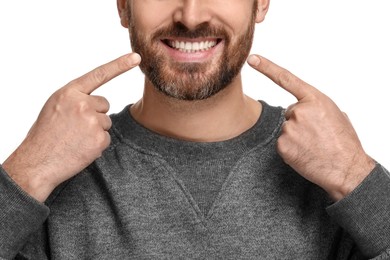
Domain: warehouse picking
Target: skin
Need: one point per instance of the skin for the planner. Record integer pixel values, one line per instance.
(317, 139)
(199, 74)
(214, 119)
(69, 134)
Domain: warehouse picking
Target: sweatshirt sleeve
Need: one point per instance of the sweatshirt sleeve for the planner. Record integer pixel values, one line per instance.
(20, 216)
(365, 214)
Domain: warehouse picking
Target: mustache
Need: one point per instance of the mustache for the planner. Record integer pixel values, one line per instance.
(179, 30)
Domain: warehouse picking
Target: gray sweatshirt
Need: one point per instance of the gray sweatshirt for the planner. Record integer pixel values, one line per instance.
(154, 197)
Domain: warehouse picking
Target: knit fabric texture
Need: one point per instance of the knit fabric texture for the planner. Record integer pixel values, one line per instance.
(154, 197)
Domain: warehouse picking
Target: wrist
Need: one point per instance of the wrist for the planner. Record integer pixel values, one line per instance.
(29, 179)
(352, 178)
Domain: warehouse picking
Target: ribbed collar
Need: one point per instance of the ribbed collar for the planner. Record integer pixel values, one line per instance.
(129, 131)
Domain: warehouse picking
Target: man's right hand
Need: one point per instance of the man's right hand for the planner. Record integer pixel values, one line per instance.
(70, 133)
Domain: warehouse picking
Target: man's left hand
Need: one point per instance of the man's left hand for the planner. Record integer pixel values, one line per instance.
(317, 139)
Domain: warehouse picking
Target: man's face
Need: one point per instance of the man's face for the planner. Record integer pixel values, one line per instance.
(191, 50)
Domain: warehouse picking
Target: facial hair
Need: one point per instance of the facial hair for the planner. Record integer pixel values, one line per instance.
(191, 81)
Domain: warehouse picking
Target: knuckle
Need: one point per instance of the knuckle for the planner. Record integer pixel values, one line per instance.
(93, 121)
(284, 78)
(82, 106)
(100, 75)
(285, 151)
(281, 146)
(288, 130)
(103, 102)
(103, 140)
(62, 94)
(96, 145)
(298, 114)
(284, 128)
(302, 113)
(60, 100)
(109, 122)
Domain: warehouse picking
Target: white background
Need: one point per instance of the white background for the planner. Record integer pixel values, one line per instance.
(339, 46)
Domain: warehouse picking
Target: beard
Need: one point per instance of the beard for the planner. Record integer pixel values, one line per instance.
(185, 80)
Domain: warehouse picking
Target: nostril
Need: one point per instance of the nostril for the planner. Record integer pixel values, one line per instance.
(192, 14)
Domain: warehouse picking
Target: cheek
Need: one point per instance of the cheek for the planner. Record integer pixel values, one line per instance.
(149, 15)
(237, 15)
(240, 30)
(242, 25)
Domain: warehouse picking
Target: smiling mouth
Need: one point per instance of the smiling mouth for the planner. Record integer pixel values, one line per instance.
(192, 46)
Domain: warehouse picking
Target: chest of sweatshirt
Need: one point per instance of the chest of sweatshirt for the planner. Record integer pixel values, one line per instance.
(132, 203)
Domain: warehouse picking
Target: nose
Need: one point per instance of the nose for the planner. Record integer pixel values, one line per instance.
(192, 13)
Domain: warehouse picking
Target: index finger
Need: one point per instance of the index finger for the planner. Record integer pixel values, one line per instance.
(104, 73)
(281, 77)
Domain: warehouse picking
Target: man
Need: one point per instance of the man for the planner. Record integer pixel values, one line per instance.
(195, 169)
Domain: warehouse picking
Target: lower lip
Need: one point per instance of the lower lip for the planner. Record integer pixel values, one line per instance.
(193, 57)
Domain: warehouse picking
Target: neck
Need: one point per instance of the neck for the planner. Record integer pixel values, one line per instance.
(220, 117)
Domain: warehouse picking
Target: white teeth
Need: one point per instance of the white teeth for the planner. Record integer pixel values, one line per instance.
(195, 45)
(188, 46)
(192, 46)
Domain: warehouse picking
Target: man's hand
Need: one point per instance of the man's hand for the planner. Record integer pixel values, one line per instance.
(69, 134)
(317, 139)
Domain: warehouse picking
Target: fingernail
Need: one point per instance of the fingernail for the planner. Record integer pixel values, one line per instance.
(136, 58)
(253, 60)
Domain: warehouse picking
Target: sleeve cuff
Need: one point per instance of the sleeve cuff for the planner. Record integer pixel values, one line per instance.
(365, 213)
(20, 215)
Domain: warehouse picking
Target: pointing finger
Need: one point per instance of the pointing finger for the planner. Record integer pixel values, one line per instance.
(281, 77)
(102, 74)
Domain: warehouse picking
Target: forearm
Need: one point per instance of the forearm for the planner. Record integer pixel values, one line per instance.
(364, 213)
(29, 176)
(20, 216)
(357, 171)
